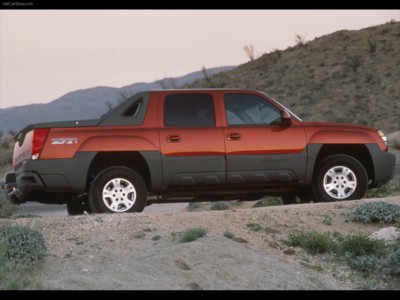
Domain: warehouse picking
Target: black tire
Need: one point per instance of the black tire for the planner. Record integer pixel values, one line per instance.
(78, 207)
(339, 178)
(117, 190)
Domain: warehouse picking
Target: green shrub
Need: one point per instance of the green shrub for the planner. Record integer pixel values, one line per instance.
(7, 209)
(377, 212)
(156, 237)
(254, 226)
(394, 263)
(14, 276)
(192, 234)
(22, 216)
(220, 205)
(354, 62)
(380, 192)
(372, 46)
(361, 245)
(194, 205)
(365, 263)
(312, 242)
(229, 235)
(23, 244)
(268, 201)
(327, 220)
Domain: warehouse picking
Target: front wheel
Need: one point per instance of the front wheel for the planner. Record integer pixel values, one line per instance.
(338, 178)
(118, 190)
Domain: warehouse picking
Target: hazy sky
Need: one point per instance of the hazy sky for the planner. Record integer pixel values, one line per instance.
(46, 54)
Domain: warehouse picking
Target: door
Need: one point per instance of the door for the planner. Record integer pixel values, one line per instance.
(192, 145)
(259, 147)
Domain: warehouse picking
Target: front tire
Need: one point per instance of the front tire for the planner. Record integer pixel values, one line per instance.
(339, 178)
(118, 190)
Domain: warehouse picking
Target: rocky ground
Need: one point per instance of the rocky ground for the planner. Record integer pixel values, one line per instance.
(141, 250)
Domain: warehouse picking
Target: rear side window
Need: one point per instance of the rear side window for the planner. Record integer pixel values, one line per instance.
(189, 110)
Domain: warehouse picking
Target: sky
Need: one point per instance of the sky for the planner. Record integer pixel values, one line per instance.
(45, 54)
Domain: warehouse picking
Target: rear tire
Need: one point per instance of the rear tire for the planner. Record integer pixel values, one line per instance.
(118, 190)
(340, 178)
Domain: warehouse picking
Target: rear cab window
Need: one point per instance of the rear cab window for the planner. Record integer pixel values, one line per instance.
(189, 110)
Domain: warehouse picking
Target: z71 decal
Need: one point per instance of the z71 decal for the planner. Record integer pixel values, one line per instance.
(64, 141)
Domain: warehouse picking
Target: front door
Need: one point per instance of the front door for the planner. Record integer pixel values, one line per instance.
(259, 148)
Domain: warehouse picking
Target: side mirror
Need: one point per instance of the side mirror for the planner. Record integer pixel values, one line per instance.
(286, 119)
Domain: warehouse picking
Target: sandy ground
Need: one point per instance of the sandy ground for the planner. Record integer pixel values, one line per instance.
(141, 250)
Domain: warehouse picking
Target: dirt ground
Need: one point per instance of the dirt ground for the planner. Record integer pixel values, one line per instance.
(141, 250)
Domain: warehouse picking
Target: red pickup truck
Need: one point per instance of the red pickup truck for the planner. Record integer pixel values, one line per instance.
(193, 145)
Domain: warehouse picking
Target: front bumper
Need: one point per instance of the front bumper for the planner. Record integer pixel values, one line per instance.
(384, 165)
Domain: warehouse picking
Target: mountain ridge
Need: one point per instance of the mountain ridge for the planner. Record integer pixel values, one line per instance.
(88, 103)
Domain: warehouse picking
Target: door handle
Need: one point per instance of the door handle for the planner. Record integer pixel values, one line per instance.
(233, 136)
(173, 138)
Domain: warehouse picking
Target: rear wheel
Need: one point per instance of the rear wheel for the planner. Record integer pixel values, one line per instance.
(339, 178)
(118, 190)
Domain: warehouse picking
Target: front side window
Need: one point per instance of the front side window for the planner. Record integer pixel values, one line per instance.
(248, 109)
(189, 110)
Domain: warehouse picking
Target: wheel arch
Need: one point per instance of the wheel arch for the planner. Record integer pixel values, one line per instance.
(357, 151)
(131, 159)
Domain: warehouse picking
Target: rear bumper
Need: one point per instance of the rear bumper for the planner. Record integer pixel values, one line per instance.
(20, 186)
(40, 180)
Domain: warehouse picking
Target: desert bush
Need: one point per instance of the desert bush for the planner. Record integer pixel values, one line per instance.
(394, 263)
(254, 226)
(377, 212)
(354, 62)
(327, 220)
(371, 46)
(192, 234)
(156, 237)
(14, 276)
(268, 201)
(300, 40)
(365, 263)
(7, 209)
(249, 50)
(194, 205)
(220, 205)
(229, 235)
(361, 245)
(312, 242)
(380, 192)
(23, 244)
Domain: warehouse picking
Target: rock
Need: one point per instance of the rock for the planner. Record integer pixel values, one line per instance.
(388, 234)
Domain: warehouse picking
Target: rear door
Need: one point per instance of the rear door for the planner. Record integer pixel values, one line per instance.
(191, 139)
(259, 148)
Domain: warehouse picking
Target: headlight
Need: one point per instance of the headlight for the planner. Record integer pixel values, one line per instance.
(383, 136)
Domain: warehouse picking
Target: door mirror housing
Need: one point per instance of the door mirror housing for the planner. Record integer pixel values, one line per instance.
(286, 118)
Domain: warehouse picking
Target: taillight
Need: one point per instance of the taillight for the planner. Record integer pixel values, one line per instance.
(39, 137)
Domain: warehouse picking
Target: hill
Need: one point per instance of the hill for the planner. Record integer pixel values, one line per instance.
(346, 76)
(88, 103)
